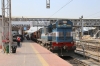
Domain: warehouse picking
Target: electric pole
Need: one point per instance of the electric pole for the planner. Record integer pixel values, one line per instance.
(81, 26)
(6, 21)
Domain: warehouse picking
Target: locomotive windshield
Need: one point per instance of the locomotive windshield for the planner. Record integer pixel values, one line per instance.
(63, 24)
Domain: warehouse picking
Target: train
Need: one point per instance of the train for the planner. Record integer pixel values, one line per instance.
(57, 37)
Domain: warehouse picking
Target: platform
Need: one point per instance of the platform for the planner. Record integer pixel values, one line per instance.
(31, 54)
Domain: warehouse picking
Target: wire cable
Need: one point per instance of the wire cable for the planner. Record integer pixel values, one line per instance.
(61, 8)
(93, 14)
(96, 17)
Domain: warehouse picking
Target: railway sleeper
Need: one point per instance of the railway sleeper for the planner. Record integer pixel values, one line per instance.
(79, 62)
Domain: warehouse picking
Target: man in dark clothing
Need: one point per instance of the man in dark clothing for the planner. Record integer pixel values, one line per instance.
(18, 41)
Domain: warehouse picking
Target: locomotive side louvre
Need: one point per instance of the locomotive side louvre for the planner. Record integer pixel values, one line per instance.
(45, 37)
(43, 34)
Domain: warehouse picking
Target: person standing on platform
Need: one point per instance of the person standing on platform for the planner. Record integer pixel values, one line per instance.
(18, 41)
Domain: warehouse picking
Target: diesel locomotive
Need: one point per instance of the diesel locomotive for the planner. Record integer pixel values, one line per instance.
(57, 37)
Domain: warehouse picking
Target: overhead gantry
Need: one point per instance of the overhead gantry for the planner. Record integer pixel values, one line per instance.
(46, 21)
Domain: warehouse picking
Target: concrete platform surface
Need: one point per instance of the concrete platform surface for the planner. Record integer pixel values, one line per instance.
(31, 54)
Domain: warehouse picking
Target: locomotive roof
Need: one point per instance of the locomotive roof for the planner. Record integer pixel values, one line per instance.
(60, 20)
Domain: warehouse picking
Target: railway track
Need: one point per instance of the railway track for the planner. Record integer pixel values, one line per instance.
(91, 45)
(74, 61)
(79, 60)
(89, 48)
(90, 60)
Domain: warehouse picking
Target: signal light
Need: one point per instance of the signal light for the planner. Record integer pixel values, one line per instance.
(47, 3)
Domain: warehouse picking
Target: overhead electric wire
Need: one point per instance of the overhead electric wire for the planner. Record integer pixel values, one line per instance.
(96, 17)
(61, 8)
(93, 14)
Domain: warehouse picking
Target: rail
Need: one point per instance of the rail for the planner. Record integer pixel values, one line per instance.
(90, 48)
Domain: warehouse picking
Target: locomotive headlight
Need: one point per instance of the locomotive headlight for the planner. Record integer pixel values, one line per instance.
(64, 22)
(65, 47)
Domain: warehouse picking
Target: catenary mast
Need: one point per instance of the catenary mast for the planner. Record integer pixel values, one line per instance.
(6, 22)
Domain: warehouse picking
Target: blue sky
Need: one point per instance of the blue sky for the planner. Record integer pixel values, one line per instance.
(37, 8)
